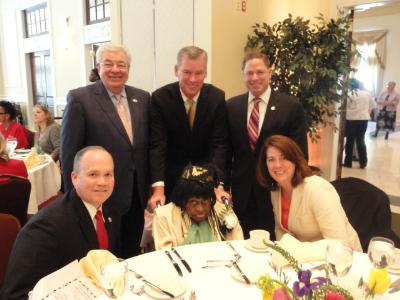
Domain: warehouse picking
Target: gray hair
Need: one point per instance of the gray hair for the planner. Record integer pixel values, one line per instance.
(391, 83)
(81, 153)
(110, 47)
(192, 52)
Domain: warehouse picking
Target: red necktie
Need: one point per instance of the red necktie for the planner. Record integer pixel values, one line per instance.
(252, 128)
(101, 231)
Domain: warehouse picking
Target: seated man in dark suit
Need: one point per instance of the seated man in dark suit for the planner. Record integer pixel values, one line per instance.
(68, 228)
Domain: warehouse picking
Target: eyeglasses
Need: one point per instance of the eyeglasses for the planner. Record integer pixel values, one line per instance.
(119, 65)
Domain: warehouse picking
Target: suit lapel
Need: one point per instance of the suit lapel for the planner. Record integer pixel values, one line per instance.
(85, 222)
(243, 107)
(269, 118)
(104, 101)
(135, 111)
(180, 110)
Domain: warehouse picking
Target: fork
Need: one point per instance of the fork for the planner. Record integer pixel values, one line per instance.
(236, 254)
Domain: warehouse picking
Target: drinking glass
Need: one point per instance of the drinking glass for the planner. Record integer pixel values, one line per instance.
(339, 259)
(114, 278)
(381, 252)
(11, 144)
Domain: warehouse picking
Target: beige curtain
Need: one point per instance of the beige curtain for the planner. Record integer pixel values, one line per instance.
(376, 62)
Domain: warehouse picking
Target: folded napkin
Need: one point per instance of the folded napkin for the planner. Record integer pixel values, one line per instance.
(33, 159)
(92, 262)
(301, 251)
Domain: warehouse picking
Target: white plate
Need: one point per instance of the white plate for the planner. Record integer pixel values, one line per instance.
(251, 268)
(22, 151)
(168, 282)
(248, 246)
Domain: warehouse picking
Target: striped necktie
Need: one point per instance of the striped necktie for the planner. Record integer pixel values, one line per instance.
(124, 116)
(252, 127)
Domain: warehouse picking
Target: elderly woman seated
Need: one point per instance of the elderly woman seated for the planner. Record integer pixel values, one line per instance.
(194, 215)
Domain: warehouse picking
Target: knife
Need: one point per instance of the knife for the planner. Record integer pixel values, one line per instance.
(158, 289)
(246, 279)
(183, 261)
(174, 263)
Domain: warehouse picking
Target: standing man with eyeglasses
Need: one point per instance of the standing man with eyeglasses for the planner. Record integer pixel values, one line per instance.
(254, 116)
(113, 115)
(188, 125)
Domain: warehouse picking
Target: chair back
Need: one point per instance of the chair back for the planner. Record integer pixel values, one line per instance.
(367, 208)
(9, 228)
(30, 135)
(15, 192)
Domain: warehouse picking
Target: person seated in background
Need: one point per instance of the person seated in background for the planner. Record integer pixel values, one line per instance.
(305, 205)
(68, 228)
(94, 75)
(194, 215)
(9, 127)
(10, 166)
(48, 135)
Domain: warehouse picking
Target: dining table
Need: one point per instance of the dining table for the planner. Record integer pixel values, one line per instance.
(219, 279)
(45, 179)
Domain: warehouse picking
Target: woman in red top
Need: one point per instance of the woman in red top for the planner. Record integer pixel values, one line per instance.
(10, 166)
(9, 127)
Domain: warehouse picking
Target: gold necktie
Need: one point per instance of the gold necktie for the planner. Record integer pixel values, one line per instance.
(125, 118)
(191, 112)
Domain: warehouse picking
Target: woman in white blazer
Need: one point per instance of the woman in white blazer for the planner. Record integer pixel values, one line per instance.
(305, 205)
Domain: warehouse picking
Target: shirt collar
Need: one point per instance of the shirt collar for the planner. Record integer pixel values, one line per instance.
(91, 209)
(264, 96)
(111, 94)
(185, 98)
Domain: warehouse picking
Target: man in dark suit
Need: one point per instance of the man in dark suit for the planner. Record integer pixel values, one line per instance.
(188, 124)
(253, 117)
(115, 116)
(66, 229)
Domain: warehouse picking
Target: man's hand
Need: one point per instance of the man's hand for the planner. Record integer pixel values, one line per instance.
(158, 196)
(220, 193)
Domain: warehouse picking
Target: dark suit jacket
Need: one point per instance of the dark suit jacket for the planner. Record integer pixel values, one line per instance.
(284, 115)
(58, 234)
(90, 118)
(173, 145)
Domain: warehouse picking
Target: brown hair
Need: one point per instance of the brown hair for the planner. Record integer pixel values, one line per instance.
(291, 151)
(3, 149)
(45, 109)
(252, 54)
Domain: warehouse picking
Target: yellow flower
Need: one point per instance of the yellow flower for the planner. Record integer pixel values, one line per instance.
(379, 281)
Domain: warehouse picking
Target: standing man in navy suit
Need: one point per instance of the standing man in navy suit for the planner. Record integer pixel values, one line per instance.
(68, 228)
(254, 116)
(188, 125)
(113, 115)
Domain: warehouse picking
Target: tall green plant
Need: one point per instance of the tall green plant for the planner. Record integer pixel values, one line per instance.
(311, 62)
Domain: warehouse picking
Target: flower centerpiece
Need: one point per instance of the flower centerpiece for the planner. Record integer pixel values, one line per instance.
(309, 287)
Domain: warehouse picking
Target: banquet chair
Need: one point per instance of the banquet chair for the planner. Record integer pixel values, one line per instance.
(367, 208)
(31, 138)
(15, 192)
(9, 228)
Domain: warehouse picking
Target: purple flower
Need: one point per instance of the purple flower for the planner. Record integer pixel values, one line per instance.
(306, 284)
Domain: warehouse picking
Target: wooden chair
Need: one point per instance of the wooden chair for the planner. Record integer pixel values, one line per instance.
(367, 208)
(9, 228)
(15, 192)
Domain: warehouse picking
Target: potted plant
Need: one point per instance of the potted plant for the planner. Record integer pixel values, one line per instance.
(311, 62)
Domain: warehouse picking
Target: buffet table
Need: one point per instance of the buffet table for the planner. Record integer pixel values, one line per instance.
(220, 282)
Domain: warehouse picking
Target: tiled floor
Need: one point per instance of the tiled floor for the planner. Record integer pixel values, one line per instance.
(383, 169)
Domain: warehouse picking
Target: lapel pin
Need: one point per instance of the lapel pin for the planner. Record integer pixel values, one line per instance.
(109, 219)
(272, 107)
(134, 100)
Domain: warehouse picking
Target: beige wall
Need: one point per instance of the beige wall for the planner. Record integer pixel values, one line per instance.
(230, 27)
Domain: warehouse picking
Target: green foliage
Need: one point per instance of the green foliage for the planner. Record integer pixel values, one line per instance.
(311, 62)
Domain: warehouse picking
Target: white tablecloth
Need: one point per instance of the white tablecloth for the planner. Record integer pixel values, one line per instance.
(217, 283)
(45, 181)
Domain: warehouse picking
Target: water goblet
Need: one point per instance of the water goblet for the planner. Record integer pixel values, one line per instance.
(114, 278)
(11, 144)
(339, 259)
(381, 252)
